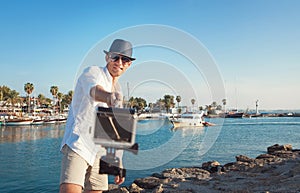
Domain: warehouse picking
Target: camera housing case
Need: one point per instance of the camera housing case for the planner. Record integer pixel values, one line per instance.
(115, 127)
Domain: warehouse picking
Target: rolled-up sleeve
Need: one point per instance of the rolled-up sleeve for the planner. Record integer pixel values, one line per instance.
(89, 78)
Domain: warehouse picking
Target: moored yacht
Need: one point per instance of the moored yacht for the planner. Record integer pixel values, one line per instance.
(189, 120)
(17, 121)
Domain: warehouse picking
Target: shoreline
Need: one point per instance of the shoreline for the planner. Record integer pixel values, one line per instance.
(278, 170)
(154, 116)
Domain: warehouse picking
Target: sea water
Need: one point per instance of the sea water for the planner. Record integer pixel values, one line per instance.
(30, 159)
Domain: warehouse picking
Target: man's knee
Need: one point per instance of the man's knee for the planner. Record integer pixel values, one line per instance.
(70, 188)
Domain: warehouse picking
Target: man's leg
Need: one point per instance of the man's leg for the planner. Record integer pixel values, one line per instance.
(73, 171)
(95, 182)
(70, 188)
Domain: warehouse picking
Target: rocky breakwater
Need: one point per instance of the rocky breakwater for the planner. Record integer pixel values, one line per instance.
(276, 171)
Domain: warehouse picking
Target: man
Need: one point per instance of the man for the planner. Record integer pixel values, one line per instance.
(97, 86)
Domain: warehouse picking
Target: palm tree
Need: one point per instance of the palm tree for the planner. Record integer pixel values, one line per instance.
(59, 98)
(193, 102)
(67, 99)
(13, 98)
(54, 91)
(48, 102)
(224, 104)
(210, 109)
(138, 103)
(5, 92)
(178, 99)
(213, 107)
(132, 102)
(150, 105)
(214, 104)
(1, 95)
(169, 102)
(28, 87)
(142, 102)
(41, 99)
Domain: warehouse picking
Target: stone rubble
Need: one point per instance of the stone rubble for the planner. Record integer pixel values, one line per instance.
(277, 171)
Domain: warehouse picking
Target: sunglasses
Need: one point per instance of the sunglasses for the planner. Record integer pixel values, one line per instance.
(116, 57)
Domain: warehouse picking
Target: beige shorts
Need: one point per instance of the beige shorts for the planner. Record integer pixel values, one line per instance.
(75, 170)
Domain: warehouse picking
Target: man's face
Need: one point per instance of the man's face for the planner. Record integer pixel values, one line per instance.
(117, 64)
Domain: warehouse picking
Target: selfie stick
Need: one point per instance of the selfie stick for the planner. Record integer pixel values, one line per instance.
(114, 127)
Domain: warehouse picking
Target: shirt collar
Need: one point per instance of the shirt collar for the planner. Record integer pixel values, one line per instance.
(109, 77)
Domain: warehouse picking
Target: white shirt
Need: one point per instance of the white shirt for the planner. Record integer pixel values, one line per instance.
(81, 119)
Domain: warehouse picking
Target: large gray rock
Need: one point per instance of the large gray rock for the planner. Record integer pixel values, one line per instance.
(277, 147)
(116, 189)
(182, 173)
(148, 182)
(243, 158)
(135, 188)
(212, 166)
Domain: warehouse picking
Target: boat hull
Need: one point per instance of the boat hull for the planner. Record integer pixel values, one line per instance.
(61, 120)
(49, 121)
(188, 120)
(17, 122)
(37, 122)
(179, 123)
(234, 115)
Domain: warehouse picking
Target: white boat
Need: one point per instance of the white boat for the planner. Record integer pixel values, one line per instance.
(55, 119)
(61, 120)
(49, 120)
(189, 120)
(17, 121)
(37, 122)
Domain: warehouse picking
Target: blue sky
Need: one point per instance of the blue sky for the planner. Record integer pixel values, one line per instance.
(255, 43)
